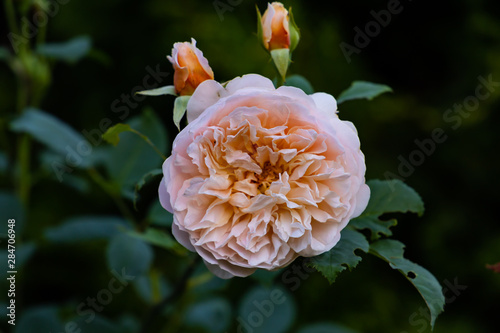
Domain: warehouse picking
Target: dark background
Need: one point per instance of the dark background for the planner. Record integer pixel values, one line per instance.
(431, 54)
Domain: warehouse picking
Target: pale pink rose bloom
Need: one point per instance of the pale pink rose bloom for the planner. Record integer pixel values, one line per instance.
(261, 176)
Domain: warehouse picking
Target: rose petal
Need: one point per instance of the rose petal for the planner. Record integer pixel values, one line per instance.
(207, 94)
(164, 196)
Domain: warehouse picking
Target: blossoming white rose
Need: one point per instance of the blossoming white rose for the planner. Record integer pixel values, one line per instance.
(261, 176)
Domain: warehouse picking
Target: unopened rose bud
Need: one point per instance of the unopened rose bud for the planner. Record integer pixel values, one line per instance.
(277, 28)
(191, 67)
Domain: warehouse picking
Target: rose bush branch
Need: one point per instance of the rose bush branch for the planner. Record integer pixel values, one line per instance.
(177, 292)
(31, 65)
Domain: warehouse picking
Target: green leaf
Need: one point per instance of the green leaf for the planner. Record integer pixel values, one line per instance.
(142, 182)
(152, 288)
(159, 216)
(11, 208)
(265, 277)
(112, 134)
(205, 283)
(363, 89)
(325, 328)
(300, 82)
(159, 238)
(23, 253)
(133, 157)
(80, 184)
(281, 59)
(129, 324)
(166, 90)
(99, 324)
(294, 31)
(274, 304)
(392, 196)
(341, 256)
(4, 53)
(378, 228)
(4, 162)
(45, 319)
(129, 253)
(259, 28)
(73, 149)
(70, 51)
(429, 288)
(212, 315)
(85, 228)
(180, 106)
(56, 135)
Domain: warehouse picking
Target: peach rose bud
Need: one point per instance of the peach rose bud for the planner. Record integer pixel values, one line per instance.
(191, 67)
(278, 28)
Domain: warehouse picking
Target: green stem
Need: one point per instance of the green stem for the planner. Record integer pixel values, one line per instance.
(178, 291)
(111, 191)
(280, 80)
(11, 16)
(42, 30)
(22, 93)
(24, 144)
(145, 138)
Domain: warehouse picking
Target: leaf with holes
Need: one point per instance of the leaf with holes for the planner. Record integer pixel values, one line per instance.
(429, 288)
(387, 196)
(377, 227)
(342, 256)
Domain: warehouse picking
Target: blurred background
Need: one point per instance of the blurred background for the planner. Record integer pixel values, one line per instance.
(434, 55)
